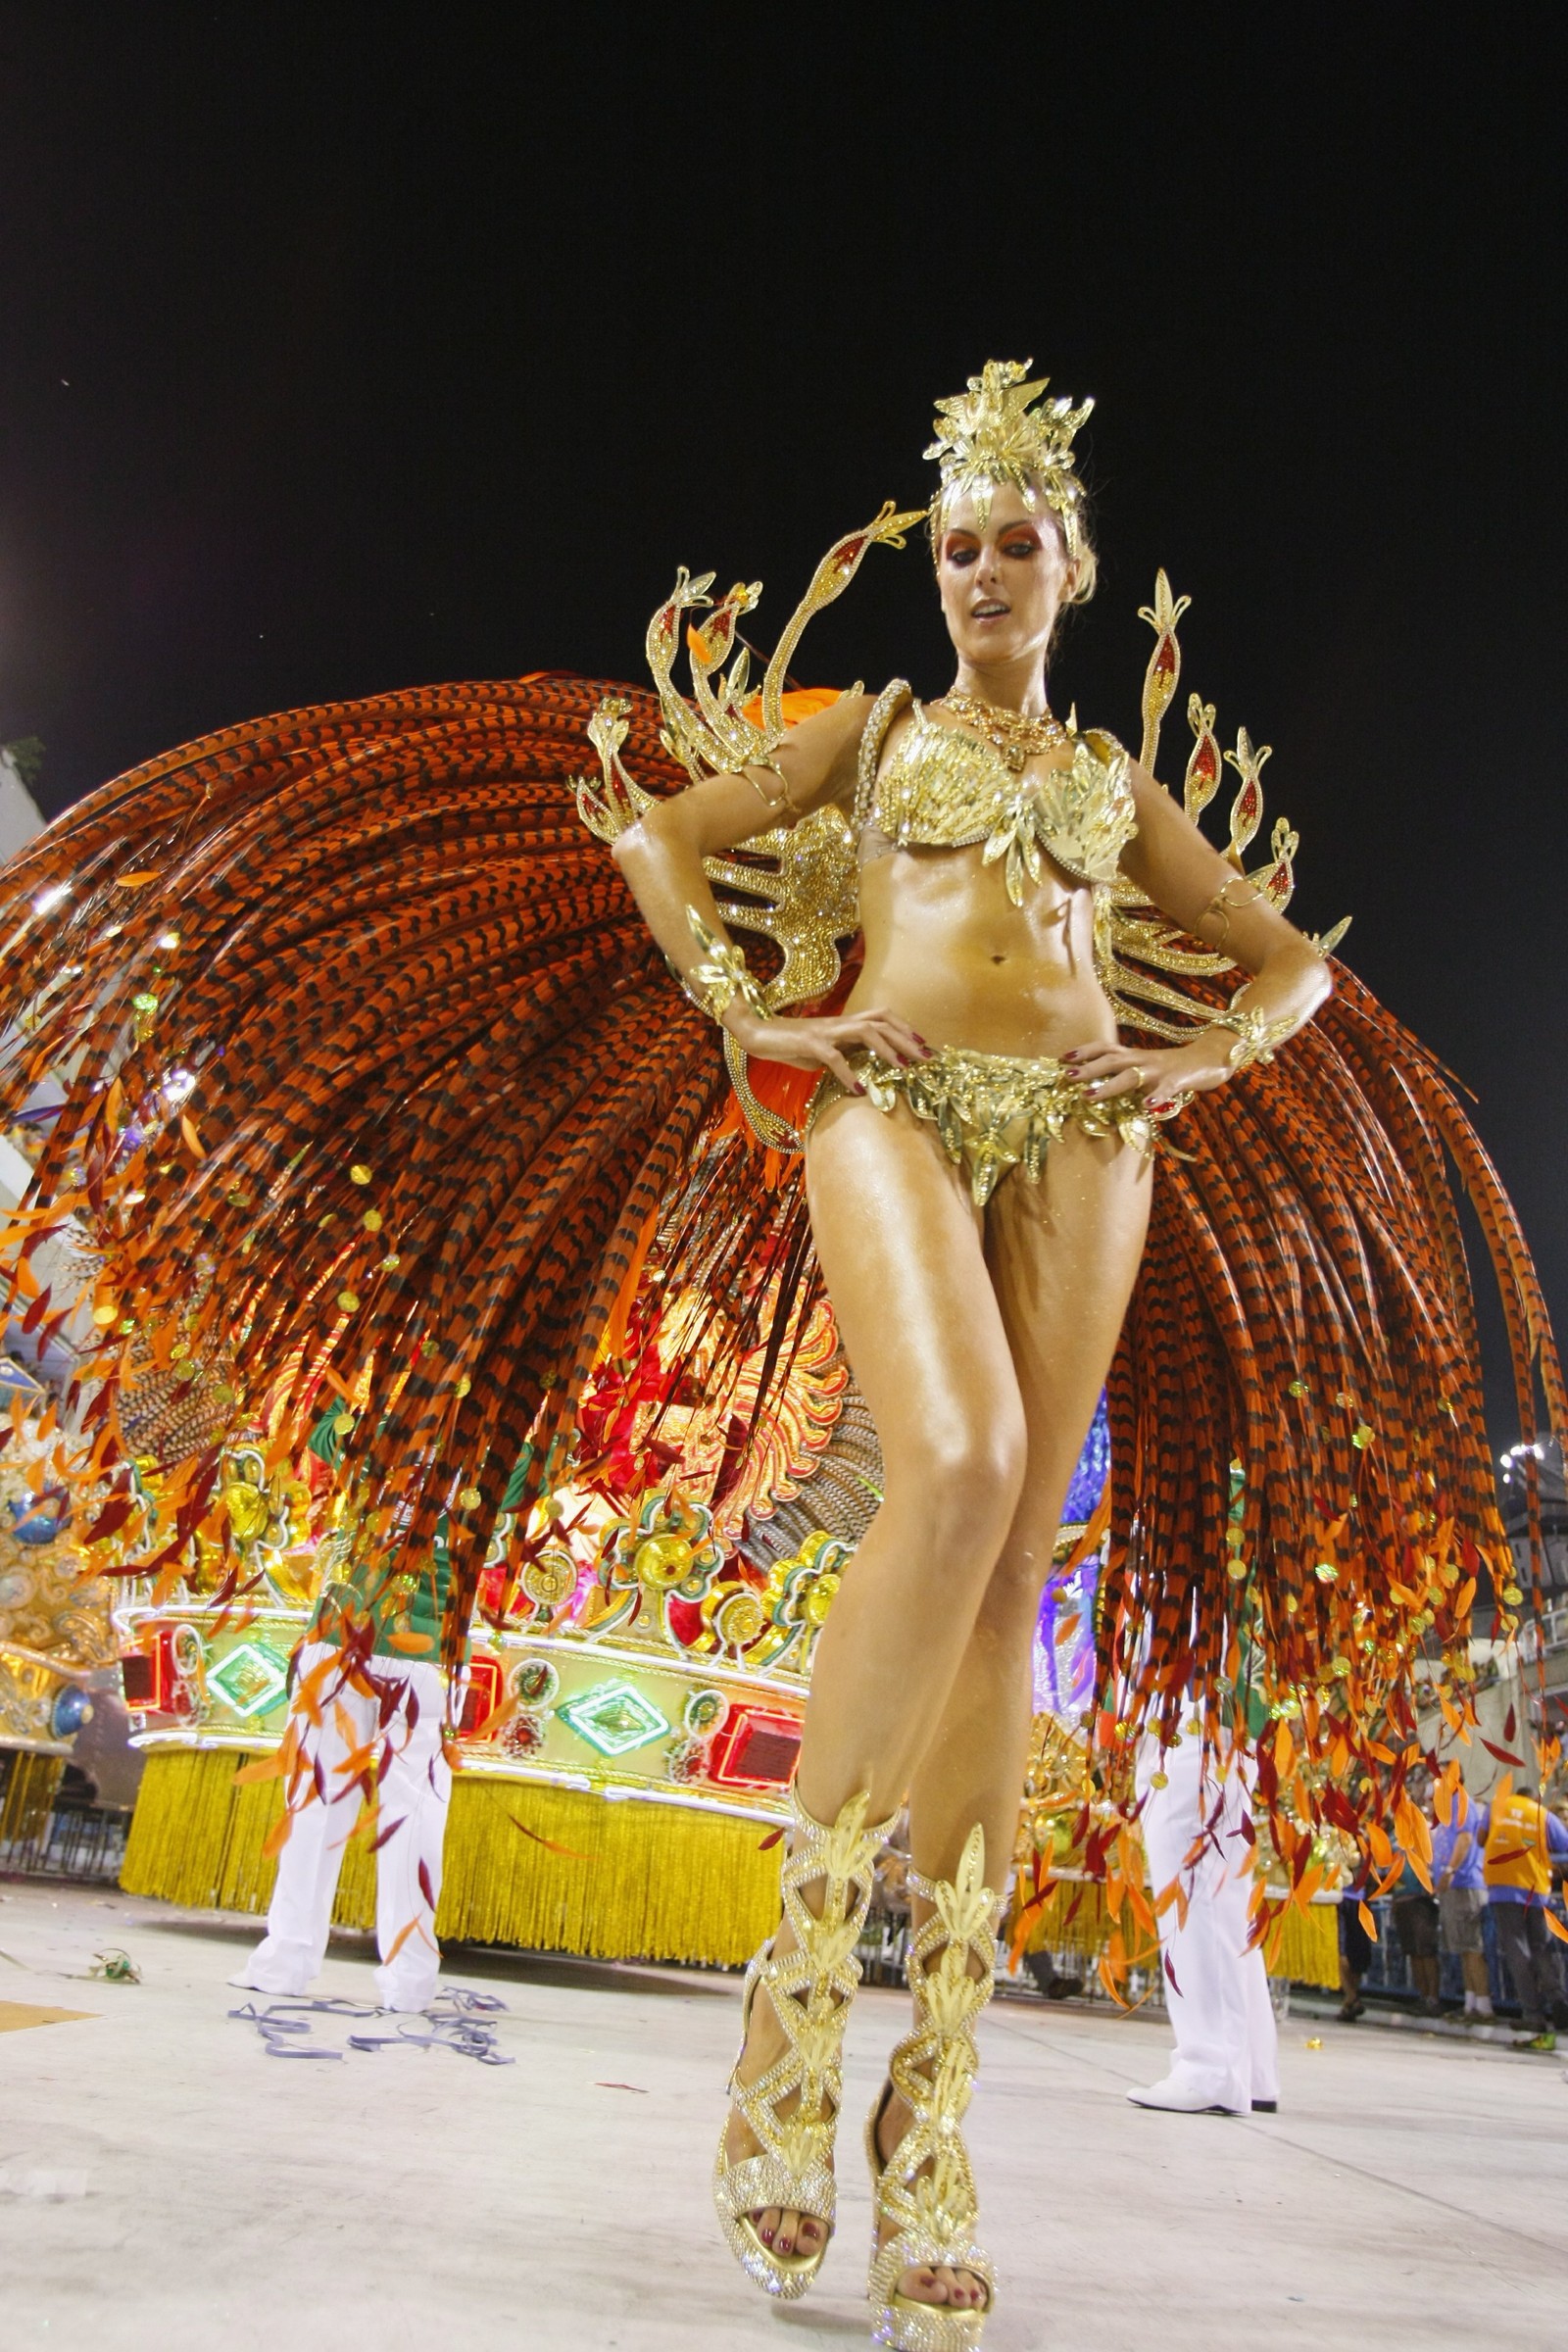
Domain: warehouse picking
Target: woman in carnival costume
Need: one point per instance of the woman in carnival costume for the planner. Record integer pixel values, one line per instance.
(369, 1070)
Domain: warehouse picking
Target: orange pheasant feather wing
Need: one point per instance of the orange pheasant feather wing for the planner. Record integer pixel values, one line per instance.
(366, 1066)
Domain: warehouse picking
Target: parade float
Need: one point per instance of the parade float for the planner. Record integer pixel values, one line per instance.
(636, 1683)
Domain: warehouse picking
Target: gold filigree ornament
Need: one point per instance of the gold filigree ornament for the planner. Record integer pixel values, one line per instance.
(666, 1554)
(999, 431)
(799, 884)
(790, 1438)
(1141, 943)
(1256, 1036)
(269, 1516)
(722, 976)
(801, 1590)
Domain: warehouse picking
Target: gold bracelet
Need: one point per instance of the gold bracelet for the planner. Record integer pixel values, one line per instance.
(722, 977)
(1256, 1036)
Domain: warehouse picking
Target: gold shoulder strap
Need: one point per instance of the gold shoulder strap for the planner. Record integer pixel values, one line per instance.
(884, 711)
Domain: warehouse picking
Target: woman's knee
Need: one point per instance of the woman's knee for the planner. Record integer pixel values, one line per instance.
(970, 1474)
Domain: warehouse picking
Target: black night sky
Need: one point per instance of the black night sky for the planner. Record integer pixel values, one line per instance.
(345, 348)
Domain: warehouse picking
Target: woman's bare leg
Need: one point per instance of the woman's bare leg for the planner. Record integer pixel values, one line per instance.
(1062, 1258)
(902, 1249)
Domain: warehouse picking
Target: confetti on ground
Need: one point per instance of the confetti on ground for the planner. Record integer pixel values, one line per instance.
(456, 2021)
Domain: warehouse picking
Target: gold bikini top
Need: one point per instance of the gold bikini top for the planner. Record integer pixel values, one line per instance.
(946, 789)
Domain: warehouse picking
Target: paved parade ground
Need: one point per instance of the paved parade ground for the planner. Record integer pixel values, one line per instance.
(166, 2182)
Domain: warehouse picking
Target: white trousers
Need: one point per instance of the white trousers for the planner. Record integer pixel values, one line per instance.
(1227, 2045)
(416, 1793)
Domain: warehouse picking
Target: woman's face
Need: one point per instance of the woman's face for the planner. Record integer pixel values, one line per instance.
(1003, 580)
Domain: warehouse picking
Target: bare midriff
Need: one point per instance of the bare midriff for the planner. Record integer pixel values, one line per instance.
(947, 950)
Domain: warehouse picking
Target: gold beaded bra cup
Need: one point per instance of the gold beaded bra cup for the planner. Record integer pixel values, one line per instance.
(948, 788)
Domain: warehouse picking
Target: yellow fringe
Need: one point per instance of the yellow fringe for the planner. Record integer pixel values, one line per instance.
(29, 1795)
(1303, 1945)
(635, 1881)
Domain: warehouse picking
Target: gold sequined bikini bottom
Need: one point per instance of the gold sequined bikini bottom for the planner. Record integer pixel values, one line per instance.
(994, 1111)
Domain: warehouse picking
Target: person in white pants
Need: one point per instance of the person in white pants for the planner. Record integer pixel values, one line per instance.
(1226, 2058)
(414, 1794)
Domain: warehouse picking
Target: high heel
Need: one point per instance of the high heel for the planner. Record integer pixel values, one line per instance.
(926, 2188)
(811, 1989)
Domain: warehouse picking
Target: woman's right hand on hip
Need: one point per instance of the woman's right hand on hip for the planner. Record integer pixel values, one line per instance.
(823, 1043)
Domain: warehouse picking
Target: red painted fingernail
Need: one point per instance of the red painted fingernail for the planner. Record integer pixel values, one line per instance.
(767, 2237)
(859, 1088)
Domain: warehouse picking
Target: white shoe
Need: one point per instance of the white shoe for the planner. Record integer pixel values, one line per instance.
(1177, 2096)
(249, 1980)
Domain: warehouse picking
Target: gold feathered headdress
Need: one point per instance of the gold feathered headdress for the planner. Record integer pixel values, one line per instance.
(992, 434)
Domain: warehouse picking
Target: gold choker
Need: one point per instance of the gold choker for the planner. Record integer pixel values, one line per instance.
(1015, 738)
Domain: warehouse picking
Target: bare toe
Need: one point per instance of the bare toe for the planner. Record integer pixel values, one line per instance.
(941, 2284)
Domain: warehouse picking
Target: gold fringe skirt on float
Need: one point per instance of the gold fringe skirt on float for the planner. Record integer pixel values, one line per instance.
(539, 1868)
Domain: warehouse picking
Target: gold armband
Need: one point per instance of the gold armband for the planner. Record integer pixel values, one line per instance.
(771, 768)
(1220, 904)
(722, 975)
(1256, 1036)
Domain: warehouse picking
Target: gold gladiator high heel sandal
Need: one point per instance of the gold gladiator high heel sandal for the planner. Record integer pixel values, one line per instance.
(926, 2188)
(811, 1989)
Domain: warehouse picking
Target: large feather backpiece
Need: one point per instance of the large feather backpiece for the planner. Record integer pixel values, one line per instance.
(370, 1074)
